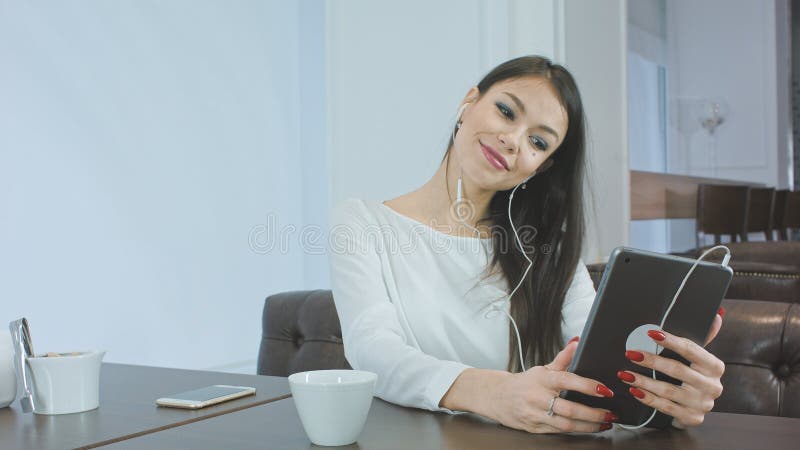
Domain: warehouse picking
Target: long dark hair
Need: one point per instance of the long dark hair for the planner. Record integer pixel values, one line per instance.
(551, 206)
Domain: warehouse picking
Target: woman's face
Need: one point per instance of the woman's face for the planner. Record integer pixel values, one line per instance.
(507, 133)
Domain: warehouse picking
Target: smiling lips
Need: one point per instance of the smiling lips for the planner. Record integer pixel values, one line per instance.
(494, 158)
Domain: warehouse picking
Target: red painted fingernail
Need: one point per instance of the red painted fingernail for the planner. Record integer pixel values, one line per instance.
(656, 335)
(626, 376)
(633, 355)
(721, 312)
(604, 391)
(605, 427)
(575, 339)
(610, 417)
(636, 392)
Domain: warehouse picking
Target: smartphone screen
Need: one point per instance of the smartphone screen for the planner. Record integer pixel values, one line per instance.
(207, 396)
(208, 393)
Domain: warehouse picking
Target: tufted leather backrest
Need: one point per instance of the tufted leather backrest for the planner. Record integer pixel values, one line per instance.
(760, 345)
(764, 270)
(783, 252)
(765, 281)
(300, 331)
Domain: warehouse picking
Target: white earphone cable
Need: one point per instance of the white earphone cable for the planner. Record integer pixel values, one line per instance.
(494, 307)
(459, 199)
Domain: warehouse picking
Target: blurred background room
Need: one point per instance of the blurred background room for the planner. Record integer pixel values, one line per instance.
(167, 164)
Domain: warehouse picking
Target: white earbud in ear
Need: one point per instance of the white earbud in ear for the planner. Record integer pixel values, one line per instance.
(459, 195)
(461, 111)
(458, 119)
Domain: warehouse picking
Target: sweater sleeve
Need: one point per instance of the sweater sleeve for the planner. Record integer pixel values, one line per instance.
(374, 339)
(577, 303)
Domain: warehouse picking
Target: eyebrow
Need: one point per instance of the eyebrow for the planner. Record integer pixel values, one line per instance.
(521, 107)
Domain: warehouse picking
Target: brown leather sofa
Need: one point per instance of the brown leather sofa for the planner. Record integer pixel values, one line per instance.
(759, 343)
(766, 270)
(770, 252)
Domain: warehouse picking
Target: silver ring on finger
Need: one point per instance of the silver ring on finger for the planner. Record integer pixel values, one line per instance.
(552, 404)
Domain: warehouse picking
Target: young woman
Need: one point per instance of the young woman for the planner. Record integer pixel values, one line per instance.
(436, 296)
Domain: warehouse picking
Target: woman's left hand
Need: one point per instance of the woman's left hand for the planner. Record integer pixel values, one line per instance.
(694, 398)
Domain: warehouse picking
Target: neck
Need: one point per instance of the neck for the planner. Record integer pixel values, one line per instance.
(440, 201)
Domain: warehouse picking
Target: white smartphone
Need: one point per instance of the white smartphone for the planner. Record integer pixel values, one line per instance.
(210, 395)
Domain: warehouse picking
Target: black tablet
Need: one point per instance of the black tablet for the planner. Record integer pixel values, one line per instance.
(636, 289)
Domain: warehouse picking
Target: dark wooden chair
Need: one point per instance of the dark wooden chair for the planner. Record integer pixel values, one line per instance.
(721, 210)
(791, 215)
(759, 212)
(778, 213)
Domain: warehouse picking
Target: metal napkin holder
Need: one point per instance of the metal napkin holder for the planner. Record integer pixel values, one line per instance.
(23, 349)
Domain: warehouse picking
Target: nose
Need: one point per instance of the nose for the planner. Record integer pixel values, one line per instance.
(510, 140)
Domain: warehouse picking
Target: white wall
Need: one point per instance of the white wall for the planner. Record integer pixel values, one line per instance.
(313, 134)
(393, 93)
(647, 134)
(794, 79)
(727, 49)
(393, 96)
(537, 28)
(397, 73)
(732, 57)
(647, 139)
(141, 143)
(151, 152)
(648, 15)
(596, 52)
(783, 93)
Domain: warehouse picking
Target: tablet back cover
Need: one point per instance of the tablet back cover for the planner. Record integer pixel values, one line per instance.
(636, 289)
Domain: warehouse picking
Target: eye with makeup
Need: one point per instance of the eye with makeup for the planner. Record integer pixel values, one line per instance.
(539, 143)
(536, 141)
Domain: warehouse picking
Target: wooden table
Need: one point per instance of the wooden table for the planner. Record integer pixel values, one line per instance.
(127, 408)
(669, 196)
(277, 426)
(128, 419)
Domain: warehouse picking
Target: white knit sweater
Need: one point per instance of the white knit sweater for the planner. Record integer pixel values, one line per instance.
(411, 307)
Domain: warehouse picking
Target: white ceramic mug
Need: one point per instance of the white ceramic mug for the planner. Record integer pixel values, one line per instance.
(333, 404)
(8, 376)
(66, 384)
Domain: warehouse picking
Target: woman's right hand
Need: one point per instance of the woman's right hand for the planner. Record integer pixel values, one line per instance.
(523, 399)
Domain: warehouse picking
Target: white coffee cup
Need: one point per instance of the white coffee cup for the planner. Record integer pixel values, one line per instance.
(333, 404)
(8, 376)
(66, 384)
